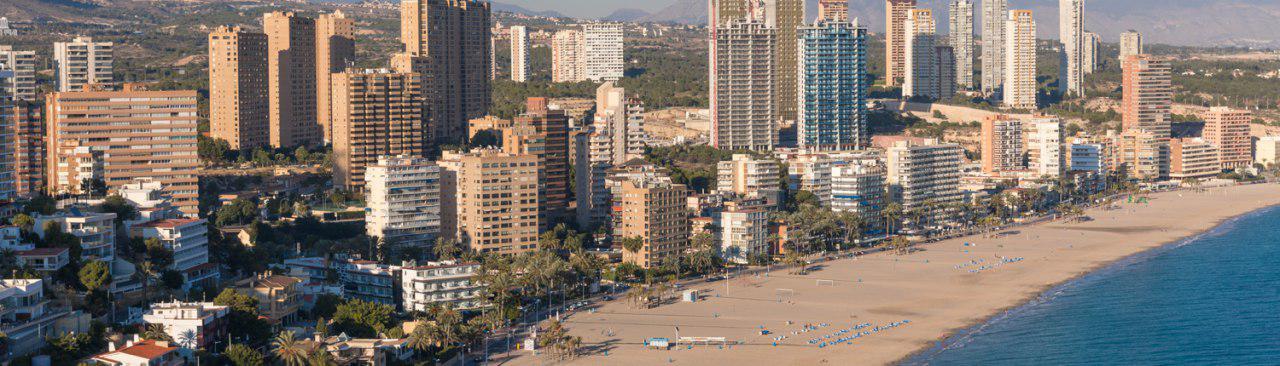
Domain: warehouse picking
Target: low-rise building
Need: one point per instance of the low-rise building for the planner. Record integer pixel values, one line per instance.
(744, 233)
(141, 353)
(1193, 158)
(277, 296)
(447, 282)
(189, 241)
(859, 187)
(96, 231)
(25, 316)
(368, 281)
(1266, 150)
(191, 325)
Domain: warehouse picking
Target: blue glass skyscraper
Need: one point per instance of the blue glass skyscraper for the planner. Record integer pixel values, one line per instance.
(831, 85)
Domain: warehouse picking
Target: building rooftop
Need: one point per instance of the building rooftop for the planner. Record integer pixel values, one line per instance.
(168, 223)
(145, 349)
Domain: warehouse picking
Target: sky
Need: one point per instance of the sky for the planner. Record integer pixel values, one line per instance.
(589, 8)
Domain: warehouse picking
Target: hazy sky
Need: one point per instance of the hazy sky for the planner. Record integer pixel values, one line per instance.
(589, 8)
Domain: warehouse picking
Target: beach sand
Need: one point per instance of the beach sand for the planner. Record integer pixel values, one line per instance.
(925, 288)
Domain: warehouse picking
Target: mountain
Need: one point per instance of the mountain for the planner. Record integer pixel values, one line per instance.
(1181, 22)
(627, 15)
(517, 9)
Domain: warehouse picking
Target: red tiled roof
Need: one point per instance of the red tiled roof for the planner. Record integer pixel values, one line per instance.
(168, 223)
(42, 252)
(145, 349)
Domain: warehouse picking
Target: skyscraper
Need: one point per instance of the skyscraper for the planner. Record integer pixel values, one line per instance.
(896, 14)
(1071, 33)
(567, 56)
(376, 113)
(1044, 146)
(602, 52)
(8, 137)
(742, 86)
(785, 16)
(335, 51)
(1130, 44)
(28, 149)
(921, 78)
(238, 105)
(1092, 52)
(454, 36)
(1146, 118)
(23, 65)
(291, 80)
(994, 15)
(622, 119)
(496, 201)
(519, 36)
(1020, 84)
(544, 133)
(832, 78)
(404, 201)
(119, 137)
(962, 41)
(83, 62)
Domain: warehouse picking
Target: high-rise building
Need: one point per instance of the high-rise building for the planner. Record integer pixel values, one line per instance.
(567, 56)
(831, 111)
(1091, 52)
(785, 16)
(994, 16)
(1088, 158)
(652, 210)
(1020, 85)
(1228, 130)
(544, 133)
(291, 80)
(924, 174)
(239, 111)
(897, 12)
(1142, 153)
(1193, 158)
(833, 11)
(1130, 44)
(497, 201)
(742, 86)
(594, 151)
(1045, 156)
(921, 77)
(83, 62)
(1002, 144)
(962, 41)
(375, 113)
(944, 60)
(749, 176)
(858, 186)
(602, 52)
(335, 51)
(8, 138)
(519, 36)
(28, 149)
(1071, 33)
(403, 193)
(23, 65)
(744, 232)
(622, 119)
(1147, 95)
(119, 137)
(455, 38)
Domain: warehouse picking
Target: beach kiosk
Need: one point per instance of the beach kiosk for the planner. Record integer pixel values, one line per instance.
(658, 343)
(690, 296)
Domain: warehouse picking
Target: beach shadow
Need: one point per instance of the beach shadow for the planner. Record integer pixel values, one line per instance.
(598, 349)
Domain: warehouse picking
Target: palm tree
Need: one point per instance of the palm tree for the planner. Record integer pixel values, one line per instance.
(156, 332)
(900, 244)
(422, 339)
(289, 350)
(446, 249)
(892, 213)
(187, 339)
(319, 356)
(633, 244)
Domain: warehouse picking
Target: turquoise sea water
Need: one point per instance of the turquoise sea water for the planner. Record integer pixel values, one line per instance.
(1209, 300)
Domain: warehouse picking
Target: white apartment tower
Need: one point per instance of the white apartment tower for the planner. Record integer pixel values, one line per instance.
(82, 62)
(1131, 43)
(921, 70)
(519, 53)
(602, 52)
(922, 174)
(858, 186)
(1092, 52)
(994, 14)
(404, 201)
(1071, 33)
(962, 41)
(1044, 146)
(23, 65)
(567, 56)
(1020, 84)
(742, 87)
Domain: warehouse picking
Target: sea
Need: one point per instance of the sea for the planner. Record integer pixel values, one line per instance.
(1212, 299)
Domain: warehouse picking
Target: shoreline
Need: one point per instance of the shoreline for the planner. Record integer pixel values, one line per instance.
(922, 356)
(941, 289)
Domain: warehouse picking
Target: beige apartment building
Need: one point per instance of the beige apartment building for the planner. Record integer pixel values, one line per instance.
(335, 51)
(496, 200)
(375, 113)
(83, 62)
(1193, 158)
(567, 56)
(1002, 144)
(23, 65)
(1148, 95)
(1020, 85)
(120, 137)
(654, 210)
(544, 133)
(896, 14)
(28, 149)
(238, 106)
(291, 79)
(454, 35)
(1228, 129)
(277, 297)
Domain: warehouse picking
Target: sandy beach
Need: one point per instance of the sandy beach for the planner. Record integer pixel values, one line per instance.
(948, 287)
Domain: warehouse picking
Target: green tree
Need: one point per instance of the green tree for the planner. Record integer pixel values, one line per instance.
(242, 355)
(288, 350)
(95, 275)
(122, 208)
(23, 221)
(446, 249)
(243, 319)
(239, 212)
(633, 244)
(362, 319)
(172, 279)
(156, 332)
(326, 305)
